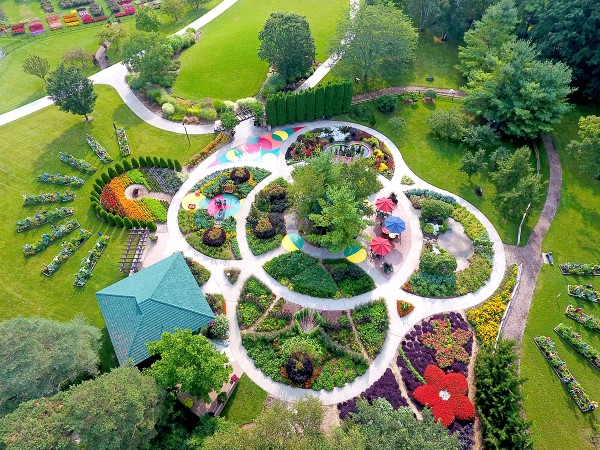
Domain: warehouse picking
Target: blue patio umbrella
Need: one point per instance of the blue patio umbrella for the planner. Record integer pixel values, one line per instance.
(394, 224)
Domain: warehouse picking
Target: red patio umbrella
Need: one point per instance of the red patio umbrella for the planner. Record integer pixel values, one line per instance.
(381, 246)
(385, 204)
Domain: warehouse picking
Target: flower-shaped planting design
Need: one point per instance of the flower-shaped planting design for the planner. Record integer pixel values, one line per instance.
(449, 345)
(446, 395)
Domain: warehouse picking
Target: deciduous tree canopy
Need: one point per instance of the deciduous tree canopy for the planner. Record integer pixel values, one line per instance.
(71, 90)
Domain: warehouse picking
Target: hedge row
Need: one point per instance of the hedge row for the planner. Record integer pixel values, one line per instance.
(118, 169)
(309, 104)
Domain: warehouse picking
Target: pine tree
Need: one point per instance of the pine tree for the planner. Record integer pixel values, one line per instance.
(319, 102)
(310, 105)
(329, 100)
(301, 106)
(271, 110)
(338, 98)
(281, 109)
(290, 106)
(348, 92)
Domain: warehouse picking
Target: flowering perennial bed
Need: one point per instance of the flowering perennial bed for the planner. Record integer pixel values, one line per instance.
(88, 264)
(583, 348)
(414, 358)
(36, 27)
(49, 197)
(576, 391)
(54, 21)
(17, 28)
(579, 269)
(67, 250)
(114, 201)
(46, 239)
(344, 143)
(487, 317)
(127, 10)
(44, 217)
(591, 322)
(386, 387)
(71, 20)
(446, 394)
(123, 142)
(584, 292)
(57, 178)
(80, 164)
(98, 149)
(470, 279)
(447, 344)
(218, 142)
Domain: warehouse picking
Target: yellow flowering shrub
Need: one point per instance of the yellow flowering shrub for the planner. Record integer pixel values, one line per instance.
(486, 318)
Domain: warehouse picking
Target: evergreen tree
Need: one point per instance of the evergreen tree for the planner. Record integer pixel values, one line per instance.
(281, 109)
(301, 106)
(290, 106)
(271, 110)
(348, 92)
(319, 102)
(329, 99)
(310, 105)
(338, 98)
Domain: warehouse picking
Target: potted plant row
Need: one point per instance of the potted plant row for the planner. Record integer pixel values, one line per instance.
(576, 391)
(43, 218)
(49, 197)
(46, 239)
(586, 292)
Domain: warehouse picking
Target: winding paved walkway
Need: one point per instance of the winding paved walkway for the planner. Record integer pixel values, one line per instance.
(387, 289)
(530, 256)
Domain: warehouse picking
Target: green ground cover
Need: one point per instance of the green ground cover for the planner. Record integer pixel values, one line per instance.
(431, 58)
(224, 63)
(31, 146)
(437, 162)
(18, 88)
(246, 402)
(573, 237)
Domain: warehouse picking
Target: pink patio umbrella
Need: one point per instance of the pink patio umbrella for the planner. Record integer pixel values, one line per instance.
(385, 204)
(381, 246)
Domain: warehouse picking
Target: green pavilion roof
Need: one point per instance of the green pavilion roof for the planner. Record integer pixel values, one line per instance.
(139, 308)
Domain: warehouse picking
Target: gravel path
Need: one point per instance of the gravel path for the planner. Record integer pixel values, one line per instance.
(530, 256)
(398, 90)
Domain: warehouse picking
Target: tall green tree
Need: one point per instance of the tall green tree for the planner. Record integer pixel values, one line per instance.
(290, 107)
(511, 169)
(271, 110)
(114, 34)
(587, 148)
(37, 66)
(525, 95)
(301, 106)
(329, 99)
(486, 38)
(382, 427)
(473, 162)
(370, 51)
(342, 215)
(149, 55)
(310, 105)
(281, 109)
(197, 3)
(42, 356)
(319, 101)
(189, 361)
(499, 399)
(173, 8)
(287, 44)
(116, 410)
(71, 91)
(568, 31)
(146, 19)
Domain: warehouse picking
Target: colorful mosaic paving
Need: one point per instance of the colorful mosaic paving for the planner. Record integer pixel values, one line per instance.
(222, 206)
(264, 148)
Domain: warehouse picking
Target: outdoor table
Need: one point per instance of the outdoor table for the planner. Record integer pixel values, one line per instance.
(392, 235)
(384, 230)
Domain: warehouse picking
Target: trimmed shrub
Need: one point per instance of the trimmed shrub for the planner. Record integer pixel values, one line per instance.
(386, 103)
(301, 106)
(119, 168)
(329, 100)
(432, 209)
(214, 237)
(310, 105)
(127, 165)
(319, 102)
(441, 264)
(290, 106)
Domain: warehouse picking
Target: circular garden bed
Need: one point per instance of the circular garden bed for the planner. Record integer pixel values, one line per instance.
(207, 214)
(344, 143)
(303, 348)
(152, 174)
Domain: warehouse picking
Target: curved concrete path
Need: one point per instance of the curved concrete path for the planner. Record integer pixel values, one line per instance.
(387, 289)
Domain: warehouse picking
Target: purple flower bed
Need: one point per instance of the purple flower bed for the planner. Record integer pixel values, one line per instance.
(386, 387)
(421, 356)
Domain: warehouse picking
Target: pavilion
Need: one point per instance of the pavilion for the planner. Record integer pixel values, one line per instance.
(139, 308)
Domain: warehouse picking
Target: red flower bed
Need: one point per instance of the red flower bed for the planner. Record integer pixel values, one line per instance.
(127, 10)
(446, 395)
(17, 28)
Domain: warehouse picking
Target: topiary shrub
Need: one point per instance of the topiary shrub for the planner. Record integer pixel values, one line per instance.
(215, 237)
(442, 263)
(168, 109)
(112, 172)
(240, 175)
(105, 178)
(177, 165)
(264, 229)
(119, 168)
(127, 165)
(386, 103)
(299, 368)
(432, 209)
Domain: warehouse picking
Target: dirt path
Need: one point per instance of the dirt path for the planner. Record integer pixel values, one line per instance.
(262, 316)
(403, 391)
(359, 342)
(530, 256)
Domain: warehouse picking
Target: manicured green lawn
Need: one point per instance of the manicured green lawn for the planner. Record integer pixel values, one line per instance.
(246, 402)
(30, 147)
(224, 64)
(438, 162)
(573, 237)
(18, 88)
(431, 58)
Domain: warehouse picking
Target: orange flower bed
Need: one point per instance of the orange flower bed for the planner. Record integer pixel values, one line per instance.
(114, 201)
